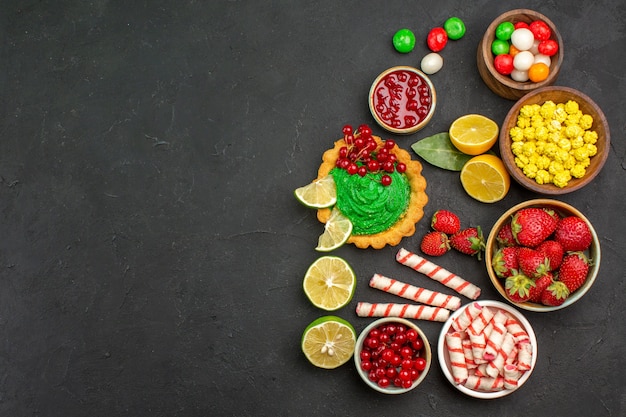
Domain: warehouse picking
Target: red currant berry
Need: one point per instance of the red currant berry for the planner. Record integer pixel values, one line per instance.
(373, 165)
(396, 360)
(406, 364)
(406, 352)
(343, 152)
(372, 376)
(388, 166)
(401, 167)
(385, 180)
(417, 344)
(414, 374)
(404, 375)
(407, 384)
(366, 366)
(390, 143)
(362, 171)
(419, 364)
(384, 382)
(411, 334)
(372, 342)
(352, 168)
(365, 131)
(387, 355)
(391, 372)
(349, 139)
(347, 130)
(359, 143)
(365, 355)
(400, 338)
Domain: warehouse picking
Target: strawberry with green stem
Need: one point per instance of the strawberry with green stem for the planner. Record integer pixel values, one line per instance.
(435, 243)
(533, 225)
(469, 241)
(573, 270)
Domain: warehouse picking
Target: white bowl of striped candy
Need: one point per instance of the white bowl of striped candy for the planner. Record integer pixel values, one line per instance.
(487, 349)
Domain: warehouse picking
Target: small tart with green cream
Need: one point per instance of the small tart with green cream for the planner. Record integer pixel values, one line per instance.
(382, 210)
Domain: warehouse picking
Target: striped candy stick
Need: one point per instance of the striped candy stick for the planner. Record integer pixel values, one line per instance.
(496, 366)
(466, 317)
(417, 294)
(438, 273)
(408, 311)
(494, 341)
(458, 367)
(479, 383)
(514, 327)
(511, 376)
(524, 356)
(469, 354)
(480, 322)
(478, 343)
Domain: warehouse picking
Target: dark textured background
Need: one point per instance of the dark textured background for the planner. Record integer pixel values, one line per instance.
(152, 252)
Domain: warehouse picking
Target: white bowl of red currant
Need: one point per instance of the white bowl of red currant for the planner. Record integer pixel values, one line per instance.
(392, 355)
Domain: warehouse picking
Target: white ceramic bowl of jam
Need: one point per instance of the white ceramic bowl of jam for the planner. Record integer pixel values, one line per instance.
(402, 100)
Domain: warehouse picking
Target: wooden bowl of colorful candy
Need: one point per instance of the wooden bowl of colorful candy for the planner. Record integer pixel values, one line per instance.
(521, 50)
(554, 140)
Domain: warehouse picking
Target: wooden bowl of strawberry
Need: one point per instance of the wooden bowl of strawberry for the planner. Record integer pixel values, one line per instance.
(542, 255)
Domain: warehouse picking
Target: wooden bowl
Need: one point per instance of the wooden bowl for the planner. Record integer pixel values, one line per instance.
(402, 100)
(563, 209)
(557, 95)
(504, 85)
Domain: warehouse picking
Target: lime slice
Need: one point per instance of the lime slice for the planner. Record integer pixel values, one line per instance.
(329, 283)
(318, 194)
(336, 232)
(328, 342)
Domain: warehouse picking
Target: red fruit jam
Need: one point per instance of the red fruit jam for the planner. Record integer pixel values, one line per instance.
(402, 100)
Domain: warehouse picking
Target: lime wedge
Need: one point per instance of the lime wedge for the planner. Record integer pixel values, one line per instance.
(329, 283)
(328, 342)
(336, 232)
(318, 194)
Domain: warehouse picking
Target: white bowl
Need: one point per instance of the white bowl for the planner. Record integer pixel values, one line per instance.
(444, 359)
(391, 389)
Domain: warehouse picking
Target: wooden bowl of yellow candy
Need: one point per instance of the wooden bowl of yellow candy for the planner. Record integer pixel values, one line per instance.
(554, 140)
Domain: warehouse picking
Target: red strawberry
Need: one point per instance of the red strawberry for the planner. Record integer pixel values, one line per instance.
(555, 294)
(504, 261)
(435, 243)
(505, 236)
(445, 221)
(573, 270)
(469, 241)
(553, 251)
(532, 263)
(541, 284)
(533, 225)
(517, 288)
(573, 234)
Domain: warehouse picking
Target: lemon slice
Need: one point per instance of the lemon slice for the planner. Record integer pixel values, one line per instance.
(328, 342)
(336, 231)
(329, 283)
(473, 134)
(318, 194)
(485, 178)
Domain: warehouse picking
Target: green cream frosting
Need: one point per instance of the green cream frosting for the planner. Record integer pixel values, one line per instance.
(371, 206)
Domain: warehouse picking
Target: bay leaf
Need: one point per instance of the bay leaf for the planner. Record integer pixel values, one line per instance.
(437, 150)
